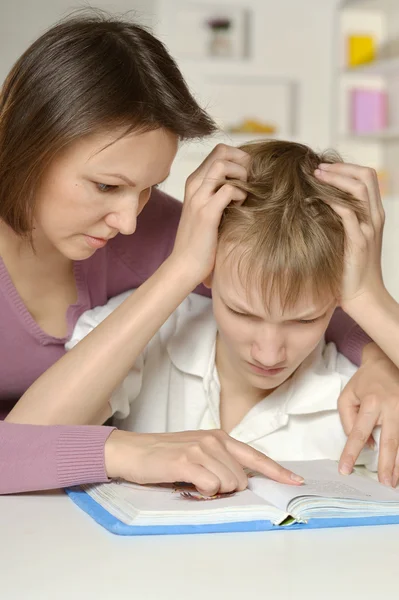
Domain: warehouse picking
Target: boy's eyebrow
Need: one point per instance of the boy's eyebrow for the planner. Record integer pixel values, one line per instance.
(237, 307)
(311, 313)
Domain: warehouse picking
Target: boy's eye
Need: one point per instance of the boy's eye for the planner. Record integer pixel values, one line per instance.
(235, 312)
(306, 321)
(103, 187)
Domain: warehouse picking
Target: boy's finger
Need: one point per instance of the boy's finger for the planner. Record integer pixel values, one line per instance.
(356, 188)
(388, 450)
(350, 222)
(395, 478)
(357, 174)
(223, 152)
(348, 408)
(363, 426)
(350, 170)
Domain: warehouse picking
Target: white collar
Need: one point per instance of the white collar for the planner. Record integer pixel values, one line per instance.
(192, 347)
(316, 384)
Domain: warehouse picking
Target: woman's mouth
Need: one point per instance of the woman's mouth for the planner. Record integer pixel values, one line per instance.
(95, 242)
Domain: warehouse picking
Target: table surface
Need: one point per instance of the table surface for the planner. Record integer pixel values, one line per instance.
(50, 549)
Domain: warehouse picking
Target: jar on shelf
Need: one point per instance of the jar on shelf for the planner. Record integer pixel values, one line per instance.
(220, 43)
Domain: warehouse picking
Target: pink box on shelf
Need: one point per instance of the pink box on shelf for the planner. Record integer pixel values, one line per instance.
(368, 110)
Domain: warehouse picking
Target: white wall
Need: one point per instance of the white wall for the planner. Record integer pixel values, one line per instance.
(21, 21)
(293, 38)
(290, 38)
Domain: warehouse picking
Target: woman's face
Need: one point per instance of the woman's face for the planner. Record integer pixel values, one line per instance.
(97, 187)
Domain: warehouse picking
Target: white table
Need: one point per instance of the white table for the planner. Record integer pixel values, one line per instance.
(49, 549)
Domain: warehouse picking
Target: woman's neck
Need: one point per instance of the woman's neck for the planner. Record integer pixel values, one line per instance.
(37, 252)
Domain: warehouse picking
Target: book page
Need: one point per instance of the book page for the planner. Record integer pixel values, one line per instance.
(322, 479)
(178, 503)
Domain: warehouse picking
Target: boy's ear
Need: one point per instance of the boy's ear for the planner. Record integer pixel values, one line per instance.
(208, 281)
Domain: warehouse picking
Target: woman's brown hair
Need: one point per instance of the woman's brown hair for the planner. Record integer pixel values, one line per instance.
(286, 233)
(85, 74)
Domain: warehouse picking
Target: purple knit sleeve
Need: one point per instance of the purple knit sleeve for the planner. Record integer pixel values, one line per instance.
(37, 457)
(346, 334)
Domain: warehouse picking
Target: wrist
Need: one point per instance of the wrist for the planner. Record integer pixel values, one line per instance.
(123, 454)
(112, 454)
(183, 272)
(371, 353)
(362, 306)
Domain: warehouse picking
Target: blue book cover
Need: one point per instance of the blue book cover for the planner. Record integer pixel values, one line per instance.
(326, 499)
(114, 525)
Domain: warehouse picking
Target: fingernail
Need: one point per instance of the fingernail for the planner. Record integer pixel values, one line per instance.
(297, 478)
(387, 481)
(346, 469)
(323, 166)
(318, 172)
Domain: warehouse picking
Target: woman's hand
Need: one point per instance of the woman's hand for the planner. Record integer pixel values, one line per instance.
(211, 460)
(207, 194)
(362, 270)
(369, 399)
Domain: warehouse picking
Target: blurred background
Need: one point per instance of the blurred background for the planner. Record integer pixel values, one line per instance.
(322, 72)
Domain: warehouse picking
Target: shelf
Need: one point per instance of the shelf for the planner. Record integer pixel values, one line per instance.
(369, 4)
(383, 68)
(377, 136)
(202, 147)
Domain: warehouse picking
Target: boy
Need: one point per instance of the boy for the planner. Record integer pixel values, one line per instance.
(253, 361)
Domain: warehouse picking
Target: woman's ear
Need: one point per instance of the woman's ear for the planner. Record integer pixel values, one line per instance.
(208, 281)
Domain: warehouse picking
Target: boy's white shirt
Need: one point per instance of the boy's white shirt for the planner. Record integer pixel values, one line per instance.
(174, 386)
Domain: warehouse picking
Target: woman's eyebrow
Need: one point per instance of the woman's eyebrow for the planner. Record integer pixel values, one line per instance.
(119, 176)
(126, 179)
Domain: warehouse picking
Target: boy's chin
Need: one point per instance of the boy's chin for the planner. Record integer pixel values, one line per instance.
(269, 382)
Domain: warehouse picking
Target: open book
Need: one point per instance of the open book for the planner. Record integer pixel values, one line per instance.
(325, 499)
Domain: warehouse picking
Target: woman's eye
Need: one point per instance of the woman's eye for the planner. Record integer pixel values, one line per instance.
(103, 187)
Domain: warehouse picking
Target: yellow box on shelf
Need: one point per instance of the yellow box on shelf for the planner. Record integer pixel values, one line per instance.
(383, 181)
(361, 49)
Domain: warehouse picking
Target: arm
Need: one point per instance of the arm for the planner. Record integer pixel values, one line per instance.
(92, 370)
(35, 457)
(348, 337)
(119, 403)
(378, 313)
(83, 380)
(372, 396)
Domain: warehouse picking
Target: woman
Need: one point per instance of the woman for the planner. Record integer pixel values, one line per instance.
(90, 119)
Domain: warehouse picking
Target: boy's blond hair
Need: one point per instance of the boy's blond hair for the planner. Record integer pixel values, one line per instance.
(289, 236)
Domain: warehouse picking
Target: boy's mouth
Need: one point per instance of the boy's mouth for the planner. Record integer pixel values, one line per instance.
(265, 371)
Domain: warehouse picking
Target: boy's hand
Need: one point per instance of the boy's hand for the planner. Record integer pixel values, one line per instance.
(369, 399)
(207, 194)
(211, 460)
(362, 270)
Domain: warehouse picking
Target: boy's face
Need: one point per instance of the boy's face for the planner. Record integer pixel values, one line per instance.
(263, 345)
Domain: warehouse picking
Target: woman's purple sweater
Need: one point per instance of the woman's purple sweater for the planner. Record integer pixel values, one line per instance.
(40, 457)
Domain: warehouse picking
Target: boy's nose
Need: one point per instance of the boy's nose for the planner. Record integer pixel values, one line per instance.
(269, 353)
